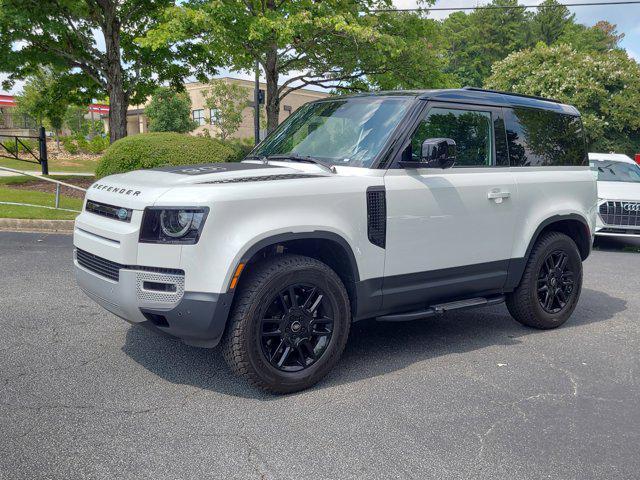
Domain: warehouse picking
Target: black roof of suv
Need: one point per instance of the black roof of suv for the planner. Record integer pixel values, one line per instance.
(481, 97)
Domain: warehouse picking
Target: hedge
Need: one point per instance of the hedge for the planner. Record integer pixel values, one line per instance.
(150, 150)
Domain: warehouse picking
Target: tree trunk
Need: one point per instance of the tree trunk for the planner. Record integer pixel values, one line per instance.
(118, 106)
(118, 98)
(273, 100)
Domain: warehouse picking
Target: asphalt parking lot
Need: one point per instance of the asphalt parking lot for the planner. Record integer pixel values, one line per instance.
(468, 395)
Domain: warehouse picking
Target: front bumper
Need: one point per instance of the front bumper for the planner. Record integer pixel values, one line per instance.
(197, 318)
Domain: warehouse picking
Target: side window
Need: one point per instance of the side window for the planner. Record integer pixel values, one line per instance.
(544, 138)
(470, 129)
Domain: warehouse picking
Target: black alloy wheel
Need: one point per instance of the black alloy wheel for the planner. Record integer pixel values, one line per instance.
(556, 282)
(296, 327)
(550, 286)
(289, 323)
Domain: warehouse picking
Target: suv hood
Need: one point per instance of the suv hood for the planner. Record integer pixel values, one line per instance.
(619, 191)
(141, 188)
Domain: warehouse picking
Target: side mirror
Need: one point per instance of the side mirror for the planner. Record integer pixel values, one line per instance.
(435, 153)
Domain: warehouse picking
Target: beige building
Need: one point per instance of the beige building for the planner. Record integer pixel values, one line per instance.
(137, 122)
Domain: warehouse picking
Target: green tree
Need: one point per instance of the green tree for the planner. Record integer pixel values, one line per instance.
(78, 120)
(600, 38)
(63, 35)
(328, 43)
(478, 39)
(169, 111)
(226, 101)
(605, 87)
(417, 61)
(550, 21)
(43, 98)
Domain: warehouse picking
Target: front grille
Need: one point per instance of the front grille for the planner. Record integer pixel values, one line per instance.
(624, 214)
(101, 266)
(111, 270)
(109, 211)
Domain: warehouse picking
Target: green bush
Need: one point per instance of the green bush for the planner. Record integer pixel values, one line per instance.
(242, 147)
(150, 150)
(69, 145)
(98, 144)
(82, 143)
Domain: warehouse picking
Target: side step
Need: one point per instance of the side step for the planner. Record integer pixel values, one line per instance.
(441, 308)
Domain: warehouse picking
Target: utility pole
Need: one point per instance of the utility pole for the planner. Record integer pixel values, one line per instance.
(256, 105)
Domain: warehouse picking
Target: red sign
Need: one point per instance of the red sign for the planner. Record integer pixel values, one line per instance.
(7, 101)
(99, 108)
(638, 158)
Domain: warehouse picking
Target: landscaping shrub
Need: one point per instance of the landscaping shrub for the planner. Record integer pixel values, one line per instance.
(82, 144)
(150, 150)
(98, 144)
(69, 145)
(241, 146)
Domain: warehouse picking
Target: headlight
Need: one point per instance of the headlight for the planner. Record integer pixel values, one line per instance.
(172, 225)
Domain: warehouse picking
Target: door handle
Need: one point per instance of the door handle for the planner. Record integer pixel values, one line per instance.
(498, 195)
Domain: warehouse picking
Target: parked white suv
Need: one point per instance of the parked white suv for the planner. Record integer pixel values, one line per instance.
(618, 195)
(395, 206)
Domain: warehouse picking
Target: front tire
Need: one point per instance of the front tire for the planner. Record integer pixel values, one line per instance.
(289, 324)
(551, 284)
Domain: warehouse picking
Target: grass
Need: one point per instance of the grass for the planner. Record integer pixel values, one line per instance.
(14, 211)
(21, 179)
(80, 165)
(36, 198)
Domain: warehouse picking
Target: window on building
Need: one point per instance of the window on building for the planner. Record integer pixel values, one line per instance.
(544, 138)
(198, 116)
(213, 116)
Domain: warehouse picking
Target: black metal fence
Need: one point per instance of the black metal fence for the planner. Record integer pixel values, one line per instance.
(20, 121)
(12, 145)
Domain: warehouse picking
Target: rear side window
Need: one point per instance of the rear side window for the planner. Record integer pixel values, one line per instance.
(544, 138)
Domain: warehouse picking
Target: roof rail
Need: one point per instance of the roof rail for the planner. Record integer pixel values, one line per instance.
(476, 89)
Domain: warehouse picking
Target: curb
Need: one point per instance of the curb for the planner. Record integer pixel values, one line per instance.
(39, 226)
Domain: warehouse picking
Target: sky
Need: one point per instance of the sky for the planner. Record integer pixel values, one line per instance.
(626, 17)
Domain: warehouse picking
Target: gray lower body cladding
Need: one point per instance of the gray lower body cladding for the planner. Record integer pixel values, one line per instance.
(197, 318)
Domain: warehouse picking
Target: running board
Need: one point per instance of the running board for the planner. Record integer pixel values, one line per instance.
(441, 308)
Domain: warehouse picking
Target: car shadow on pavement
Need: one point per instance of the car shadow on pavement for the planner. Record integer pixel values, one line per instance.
(374, 348)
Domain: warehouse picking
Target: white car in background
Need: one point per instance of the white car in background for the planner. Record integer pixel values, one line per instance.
(618, 195)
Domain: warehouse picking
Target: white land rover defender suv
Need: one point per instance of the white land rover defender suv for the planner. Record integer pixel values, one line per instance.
(396, 206)
(618, 195)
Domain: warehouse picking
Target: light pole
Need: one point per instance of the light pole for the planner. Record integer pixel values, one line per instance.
(256, 105)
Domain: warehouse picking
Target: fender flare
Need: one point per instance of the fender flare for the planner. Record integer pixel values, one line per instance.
(517, 265)
(312, 235)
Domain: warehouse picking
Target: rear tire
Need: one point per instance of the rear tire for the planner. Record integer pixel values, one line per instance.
(289, 324)
(551, 284)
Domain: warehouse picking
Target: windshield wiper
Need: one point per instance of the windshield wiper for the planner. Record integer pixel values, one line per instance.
(292, 157)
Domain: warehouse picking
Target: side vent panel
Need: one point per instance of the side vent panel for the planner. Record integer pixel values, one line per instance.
(377, 216)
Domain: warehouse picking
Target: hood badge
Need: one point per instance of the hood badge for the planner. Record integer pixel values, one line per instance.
(110, 188)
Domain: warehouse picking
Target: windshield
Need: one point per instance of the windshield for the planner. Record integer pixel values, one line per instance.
(341, 132)
(609, 171)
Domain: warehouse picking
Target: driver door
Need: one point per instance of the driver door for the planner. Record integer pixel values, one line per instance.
(450, 231)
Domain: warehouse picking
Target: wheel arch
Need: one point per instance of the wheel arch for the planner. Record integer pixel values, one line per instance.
(573, 225)
(327, 247)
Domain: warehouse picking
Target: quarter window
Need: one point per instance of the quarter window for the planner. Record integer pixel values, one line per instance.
(544, 138)
(470, 129)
